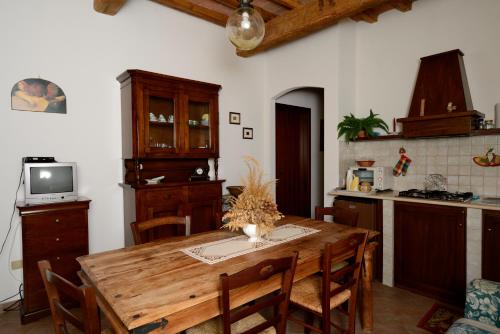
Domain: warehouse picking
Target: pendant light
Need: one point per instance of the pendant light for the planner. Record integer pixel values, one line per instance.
(245, 27)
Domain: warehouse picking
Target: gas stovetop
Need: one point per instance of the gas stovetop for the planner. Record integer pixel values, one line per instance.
(437, 195)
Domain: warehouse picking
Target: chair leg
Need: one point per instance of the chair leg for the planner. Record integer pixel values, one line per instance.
(308, 319)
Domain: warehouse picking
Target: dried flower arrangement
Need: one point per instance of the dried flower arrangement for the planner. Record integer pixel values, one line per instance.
(255, 204)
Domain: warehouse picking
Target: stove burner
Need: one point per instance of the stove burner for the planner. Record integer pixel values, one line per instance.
(437, 195)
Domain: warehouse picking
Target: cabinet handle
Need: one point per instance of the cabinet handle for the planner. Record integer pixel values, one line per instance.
(460, 225)
(352, 206)
(57, 239)
(58, 258)
(57, 220)
(490, 229)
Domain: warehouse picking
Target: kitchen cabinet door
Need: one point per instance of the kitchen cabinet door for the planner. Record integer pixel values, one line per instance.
(429, 250)
(491, 245)
(370, 217)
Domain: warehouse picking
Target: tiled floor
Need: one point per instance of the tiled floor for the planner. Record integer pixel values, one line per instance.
(396, 312)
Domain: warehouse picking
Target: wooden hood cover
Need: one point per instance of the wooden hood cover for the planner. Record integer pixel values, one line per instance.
(441, 103)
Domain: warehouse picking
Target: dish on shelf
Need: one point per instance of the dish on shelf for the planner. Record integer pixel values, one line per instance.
(154, 180)
(365, 163)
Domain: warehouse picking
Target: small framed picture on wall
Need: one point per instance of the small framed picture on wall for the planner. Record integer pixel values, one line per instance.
(234, 118)
(247, 133)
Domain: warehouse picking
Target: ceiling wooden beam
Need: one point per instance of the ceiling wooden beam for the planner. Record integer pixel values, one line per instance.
(196, 10)
(402, 5)
(109, 7)
(291, 4)
(233, 4)
(313, 16)
(371, 15)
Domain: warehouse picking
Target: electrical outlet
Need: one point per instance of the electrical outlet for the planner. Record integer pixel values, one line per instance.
(16, 264)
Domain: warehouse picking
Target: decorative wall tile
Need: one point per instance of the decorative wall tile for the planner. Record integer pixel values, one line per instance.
(451, 157)
(464, 170)
(453, 160)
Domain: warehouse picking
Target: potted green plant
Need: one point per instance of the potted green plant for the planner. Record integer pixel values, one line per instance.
(352, 128)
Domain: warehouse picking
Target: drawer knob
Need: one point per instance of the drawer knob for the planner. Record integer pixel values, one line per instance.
(490, 229)
(352, 206)
(57, 239)
(58, 258)
(57, 220)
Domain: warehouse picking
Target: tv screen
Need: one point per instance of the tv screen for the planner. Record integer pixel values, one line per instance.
(50, 182)
(46, 180)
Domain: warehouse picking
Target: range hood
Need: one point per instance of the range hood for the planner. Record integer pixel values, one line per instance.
(441, 103)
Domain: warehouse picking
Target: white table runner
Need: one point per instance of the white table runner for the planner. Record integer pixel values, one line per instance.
(221, 250)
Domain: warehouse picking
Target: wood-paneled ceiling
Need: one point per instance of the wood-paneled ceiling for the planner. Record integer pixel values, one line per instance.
(286, 20)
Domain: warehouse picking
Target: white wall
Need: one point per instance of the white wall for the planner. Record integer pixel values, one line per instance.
(309, 62)
(82, 51)
(311, 98)
(388, 53)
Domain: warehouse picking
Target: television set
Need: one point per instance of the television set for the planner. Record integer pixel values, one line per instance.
(50, 182)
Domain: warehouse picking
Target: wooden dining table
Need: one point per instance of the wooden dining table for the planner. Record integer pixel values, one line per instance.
(156, 288)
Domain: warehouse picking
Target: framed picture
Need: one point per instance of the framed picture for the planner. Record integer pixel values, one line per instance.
(38, 95)
(247, 133)
(234, 118)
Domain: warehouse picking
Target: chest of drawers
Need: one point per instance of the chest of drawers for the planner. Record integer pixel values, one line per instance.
(57, 232)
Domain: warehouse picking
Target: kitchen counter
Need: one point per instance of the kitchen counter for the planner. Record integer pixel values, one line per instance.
(393, 196)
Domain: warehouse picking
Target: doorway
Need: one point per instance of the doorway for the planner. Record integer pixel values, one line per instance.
(299, 157)
(293, 159)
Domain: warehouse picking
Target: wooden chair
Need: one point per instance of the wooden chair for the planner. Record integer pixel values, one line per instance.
(340, 215)
(144, 231)
(55, 286)
(246, 319)
(318, 295)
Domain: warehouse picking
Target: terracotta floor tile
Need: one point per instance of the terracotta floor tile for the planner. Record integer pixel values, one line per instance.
(396, 312)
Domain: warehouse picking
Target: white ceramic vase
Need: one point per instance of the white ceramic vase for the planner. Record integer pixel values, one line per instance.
(251, 231)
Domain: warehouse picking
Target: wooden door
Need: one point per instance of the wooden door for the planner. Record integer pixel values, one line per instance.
(429, 250)
(491, 245)
(293, 160)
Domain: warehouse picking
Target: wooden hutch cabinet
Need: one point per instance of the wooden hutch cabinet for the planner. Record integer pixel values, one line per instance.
(170, 129)
(57, 232)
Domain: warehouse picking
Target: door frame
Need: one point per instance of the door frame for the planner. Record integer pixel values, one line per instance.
(270, 127)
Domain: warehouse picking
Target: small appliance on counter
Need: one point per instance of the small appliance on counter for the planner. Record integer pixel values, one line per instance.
(379, 178)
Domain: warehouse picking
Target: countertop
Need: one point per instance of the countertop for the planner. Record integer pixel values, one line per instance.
(393, 196)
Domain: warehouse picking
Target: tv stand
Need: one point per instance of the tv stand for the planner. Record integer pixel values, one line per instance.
(57, 232)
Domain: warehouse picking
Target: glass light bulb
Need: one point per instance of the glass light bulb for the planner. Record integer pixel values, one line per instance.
(245, 22)
(245, 28)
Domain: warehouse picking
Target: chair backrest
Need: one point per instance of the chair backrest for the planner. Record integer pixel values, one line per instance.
(57, 286)
(260, 272)
(340, 215)
(350, 250)
(143, 231)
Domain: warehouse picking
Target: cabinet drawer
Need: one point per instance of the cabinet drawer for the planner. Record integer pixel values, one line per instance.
(161, 197)
(57, 242)
(58, 222)
(64, 264)
(204, 192)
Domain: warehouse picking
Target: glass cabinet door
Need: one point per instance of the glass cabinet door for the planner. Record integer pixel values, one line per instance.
(161, 129)
(199, 125)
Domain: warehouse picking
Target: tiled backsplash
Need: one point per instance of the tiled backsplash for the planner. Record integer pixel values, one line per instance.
(451, 157)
